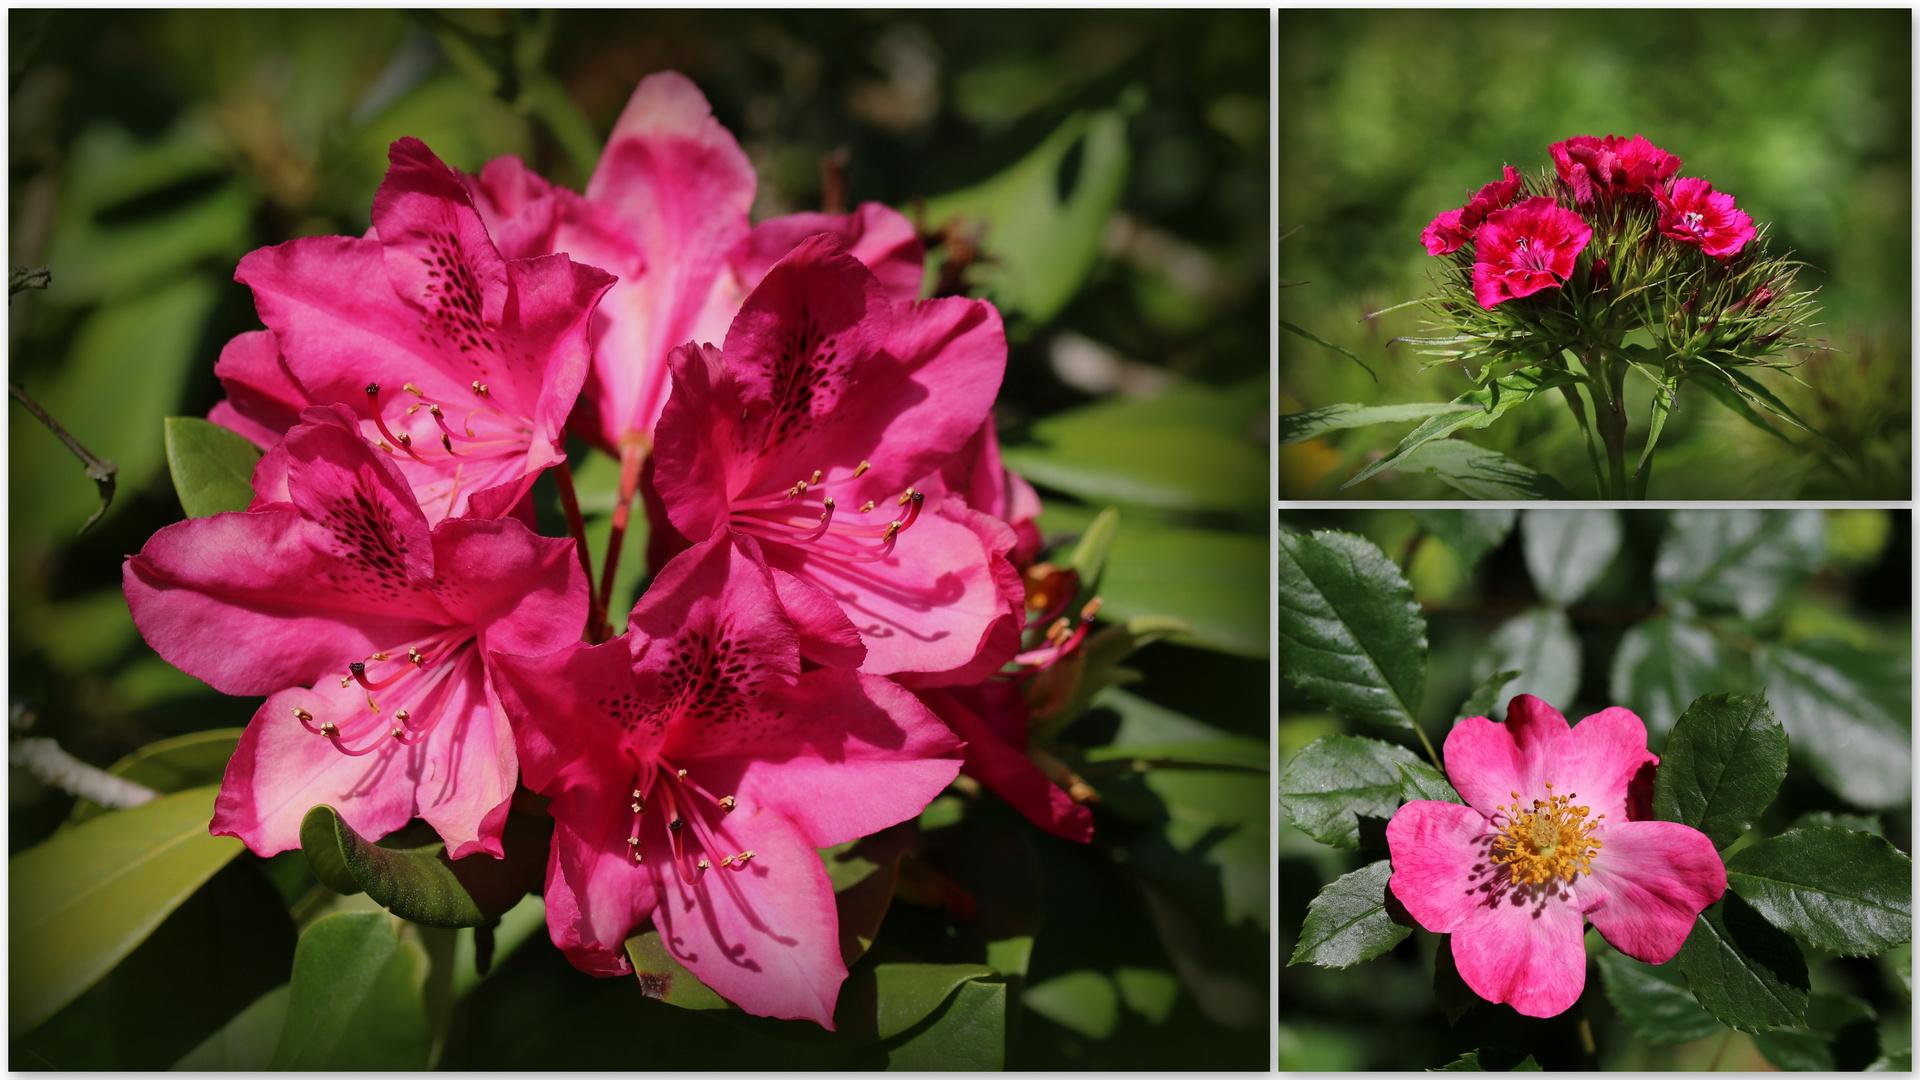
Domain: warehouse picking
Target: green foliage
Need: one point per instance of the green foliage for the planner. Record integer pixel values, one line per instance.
(1842, 891)
(421, 884)
(1653, 1000)
(357, 998)
(1301, 426)
(1491, 402)
(1351, 634)
(80, 902)
(1349, 921)
(170, 765)
(1542, 647)
(212, 467)
(1479, 473)
(1662, 665)
(247, 1042)
(1849, 714)
(1840, 1034)
(1495, 1060)
(1722, 766)
(1567, 551)
(1470, 533)
(1335, 782)
(1485, 698)
(1419, 781)
(1749, 975)
(1740, 560)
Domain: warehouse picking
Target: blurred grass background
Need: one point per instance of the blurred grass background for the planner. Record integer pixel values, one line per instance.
(1387, 118)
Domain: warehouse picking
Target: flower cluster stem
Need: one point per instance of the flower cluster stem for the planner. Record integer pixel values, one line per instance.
(577, 528)
(1579, 407)
(633, 454)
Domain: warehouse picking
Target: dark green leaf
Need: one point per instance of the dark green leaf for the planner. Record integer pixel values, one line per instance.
(1348, 922)
(1333, 782)
(1661, 666)
(1301, 426)
(1450, 991)
(1151, 992)
(1187, 449)
(1866, 823)
(968, 1034)
(1848, 712)
(1486, 697)
(421, 884)
(664, 978)
(1224, 817)
(1318, 340)
(1542, 646)
(1723, 764)
(1494, 400)
(81, 901)
(1743, 560)
(1567, 551)
(1479, 473)
(1421, 781)
(1897, 1061)
(1084, 1001)
(1845, 892)
(1795, 1049)
(1496, 1059)
(247, 1041)
(1351, 633)
(212, 467)
(1470, 533)
(1728, 395)
(184, 761)
(909, 993)
(1746, 973)
(1654, 1000)
(1840, 1035)
(356, 998)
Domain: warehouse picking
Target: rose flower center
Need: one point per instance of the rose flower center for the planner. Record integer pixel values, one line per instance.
(1551, 839)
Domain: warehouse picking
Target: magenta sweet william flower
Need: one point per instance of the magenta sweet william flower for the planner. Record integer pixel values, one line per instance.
(1552, 836)
(1455, 227)
(666, 211)
(369, 630)
(1693, 213)
(809, 431)
(1611, 166)
(695, 768)
(461, 364)
(1527, 247)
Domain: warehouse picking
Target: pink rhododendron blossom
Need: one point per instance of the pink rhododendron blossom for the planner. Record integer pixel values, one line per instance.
(694, 770)
(992, 717)
(369, 630)
(1455, 227)
(1611, 166)
(1553, 836)
(666, 212)
(808, 432)
(460, 363)
(1693, 213)
(1525, 248)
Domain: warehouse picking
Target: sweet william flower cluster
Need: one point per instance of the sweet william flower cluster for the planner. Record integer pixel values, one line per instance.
(839, 554)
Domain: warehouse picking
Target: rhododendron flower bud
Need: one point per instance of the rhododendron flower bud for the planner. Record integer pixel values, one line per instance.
(1693, 213)
(1455, 227)
(1611, 166)
(369, 629)
(694, 769)
(1526, 248)
(461, 364)
(1552, 837)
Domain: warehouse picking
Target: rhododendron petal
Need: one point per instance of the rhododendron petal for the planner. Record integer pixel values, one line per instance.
(595, 894)
(1012, 774)
(1436, 848)
(520, 209)
(263, 400)
(766, 935)
(1648, 883)
(827, 636)
(879, 236)
(1524, 950)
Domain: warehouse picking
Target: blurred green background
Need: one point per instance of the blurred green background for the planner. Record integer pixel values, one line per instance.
(1811, 607)
(1387, 118)
(1110, 167)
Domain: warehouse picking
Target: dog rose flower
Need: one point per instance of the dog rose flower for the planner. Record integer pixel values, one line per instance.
(1552, 837)
(1693, 213)
(1455, 227)
(1611, 166)
(1526, 248)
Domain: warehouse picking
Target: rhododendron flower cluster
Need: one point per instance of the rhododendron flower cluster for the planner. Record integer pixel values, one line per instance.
(1555, 834)
(837, 616)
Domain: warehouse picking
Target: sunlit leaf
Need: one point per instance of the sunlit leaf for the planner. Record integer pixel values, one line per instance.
(1746, 973)
(1348, 921)
(1723, 763)
(1662, 665)
(1542, 646)
(1654, 1000)
(1351, 633)
(356, 999)
(1082, 1001)
(1845, 892)
(1848, 714)
(1470, 533)
(1480, 473)
(212, 467)
(1334, 782)
(421, 884)
(1567, 551)
(1743, 560)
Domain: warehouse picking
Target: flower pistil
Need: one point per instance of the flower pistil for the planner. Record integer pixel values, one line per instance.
(1551, 839)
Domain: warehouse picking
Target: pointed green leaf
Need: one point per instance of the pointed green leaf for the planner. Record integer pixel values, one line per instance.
(1743, 560)
(1654, 1000)
(1542, 646)
(1421, 781)
(1748, 974)
(1470, 533)
(421, 884)
(664, 978)
(1841, 1035)
(1301, 426)
(1479, 473)
(1485, 698)
(909, 993)
(1493, 399)
(1848, 713)
(1723, 764)
(1727, 394)
(968, 1034)
(1846, 892)
(169, 765)
(1661, 666)
(212, 467)
(356, 1000)
(1494, 1059)
(1351, 634)
(1567, 551)
(1084, 1001)
(1333, 782)
(81, 901)
(1348, 921)
(1323, 342)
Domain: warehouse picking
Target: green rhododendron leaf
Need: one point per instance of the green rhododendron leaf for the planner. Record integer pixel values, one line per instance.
(169, 765)
(1654, 1000)
(1351, 633)
(1844, 892)
(212, 467)
(247, 1042)
(421, 884)
(665, 979)
(1082, 1001)
(1567, 551)
(1334, 782)
(1723, 764)
(356, 1000)
(909, 993)
(79, 902)
(969, 1033)
(1348, 922)
(1748, 974)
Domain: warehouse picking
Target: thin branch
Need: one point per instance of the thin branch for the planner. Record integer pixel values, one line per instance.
(99, 470)
(21, 278)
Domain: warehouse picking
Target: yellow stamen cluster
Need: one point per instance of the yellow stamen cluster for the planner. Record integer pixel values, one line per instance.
(1552, 839)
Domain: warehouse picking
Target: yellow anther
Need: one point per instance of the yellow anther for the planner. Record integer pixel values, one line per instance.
(402, 715)
(404, 439)
(383, 445)
(413, 654)
(1092, 609)
(397, 733)
(414, 390)
(636, 793)
(905, 497)
(638, 808)
(727, 804)
(346, 681)
(411, 409)
(329, 730)
(434, 410)
(704, 865)
(681, 773)
(633, 841)
(867, 507)
(480, 388)
(816, 477)
(301, 714)
(862, 469)
(893, 527)
(1551, 839)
